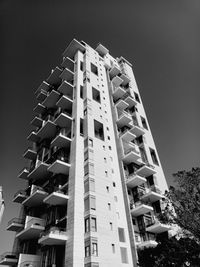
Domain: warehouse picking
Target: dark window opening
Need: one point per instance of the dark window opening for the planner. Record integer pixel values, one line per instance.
(96, 95)
(137, 97)
(144, 123)
(81, 127)
(94, 69)
(153, 156)
(98, 130)
(81, 91)
(81, 65)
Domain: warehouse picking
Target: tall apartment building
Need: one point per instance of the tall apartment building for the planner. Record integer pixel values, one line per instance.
(94, 179)
(2, 205)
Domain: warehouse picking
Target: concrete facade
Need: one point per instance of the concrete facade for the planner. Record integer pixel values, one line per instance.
(95, 183)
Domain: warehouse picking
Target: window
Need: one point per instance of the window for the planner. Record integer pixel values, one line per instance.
(124, 256)
(90, 142)
(153, 156)
(87, 225)
(94, 69)
(92, 203)
(115, 198)
(98, 130)
(96, 95)
(81, 127)
(105, 160)
(112, 170)
(107, 189)
(114, 184)
(87, 251)
(106, 173)
(81, 65)
(108, 137)
(89, 185)
(121, 235)
(113, 248)
(144, 123)
(94, 249)
(137, 97)
(109, 206)
(81, 91)
(111, 226)
(110, 148)
(93, 224)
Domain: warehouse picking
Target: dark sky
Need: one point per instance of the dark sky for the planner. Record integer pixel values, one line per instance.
(161, 39)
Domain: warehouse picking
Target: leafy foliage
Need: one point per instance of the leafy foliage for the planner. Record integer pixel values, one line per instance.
(171, 252)
(183, 203)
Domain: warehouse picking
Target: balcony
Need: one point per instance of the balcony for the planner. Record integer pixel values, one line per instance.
(121, 104)
(116, 81)
(29, 260)
(40, 171)
(115, 70)
(9, 258)
(67, 75)
(65, 102)
(125, 79)
(118, 92)
(157, 228)
(56, 198)
(102, 50)
(23, 173)
(48, 129)
(15, 225)
(130, 153)
(55, 236)
(66, 88)
(62, 139)
(126, 134)
(129, 100)
(68, 63)
(33, 137)
(146, 170)
(44, 86)
(36, 197)
(72, 48)
(30, 153)
(139, 208)
(137, 130)
(33, 227)
(152, 194)
(20, 196)
(59, 162)
(63, 119)
(51, 99)
(54, 78)
(37, 121)
(124, 118)
(41, 95)
(135, 180)
(39, 109)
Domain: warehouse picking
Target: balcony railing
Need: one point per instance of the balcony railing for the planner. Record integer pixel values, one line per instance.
(30, 264)
(20, 192)
(9, 255)
(54, 230)
(17, 221)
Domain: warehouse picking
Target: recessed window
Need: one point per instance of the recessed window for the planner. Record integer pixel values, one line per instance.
(121, 234)
(137, 97)
(109, 206)
(108, 137)
(105, 160)
(98, 130)
(111, 226)
(114, 185)
(93, 224)
(124, 256)
(144, 123)
(115, 198)
(90, 203)
(106, 173)
(107, 189)
(81, 127)
(110, 148)
(96, 95)
(87, 251)
(81, 91)
(153, 156)
(81, 65)
(87, 225)
(94, 69)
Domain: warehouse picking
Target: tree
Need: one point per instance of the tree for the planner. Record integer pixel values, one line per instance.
(183, 203)
(171, 252)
